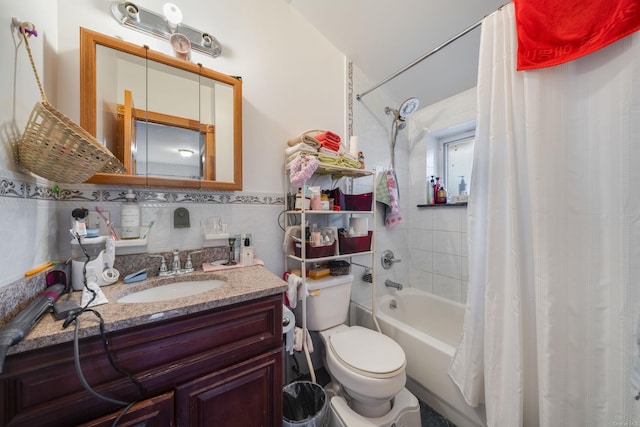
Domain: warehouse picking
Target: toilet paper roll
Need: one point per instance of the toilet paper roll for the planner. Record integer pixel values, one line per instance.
(353, 146)
(289, 320)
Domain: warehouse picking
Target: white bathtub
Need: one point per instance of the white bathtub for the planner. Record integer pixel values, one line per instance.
(428, 329)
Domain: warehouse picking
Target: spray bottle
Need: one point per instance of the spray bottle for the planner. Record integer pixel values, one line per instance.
(436, 187)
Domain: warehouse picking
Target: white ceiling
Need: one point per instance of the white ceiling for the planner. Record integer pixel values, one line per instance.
(383, 36)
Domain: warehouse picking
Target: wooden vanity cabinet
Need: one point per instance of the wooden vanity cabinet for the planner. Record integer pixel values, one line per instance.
(221, 367)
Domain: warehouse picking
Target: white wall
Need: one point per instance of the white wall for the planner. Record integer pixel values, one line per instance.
(28, 225)
(293, 80)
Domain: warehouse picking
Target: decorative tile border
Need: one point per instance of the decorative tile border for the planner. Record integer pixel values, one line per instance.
(43, 190)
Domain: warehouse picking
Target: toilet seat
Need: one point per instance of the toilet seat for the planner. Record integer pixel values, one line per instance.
(368, 352)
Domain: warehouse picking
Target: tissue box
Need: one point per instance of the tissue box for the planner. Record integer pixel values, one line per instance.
(350, 245)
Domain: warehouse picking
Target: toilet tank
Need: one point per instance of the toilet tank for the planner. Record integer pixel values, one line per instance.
(327, 302)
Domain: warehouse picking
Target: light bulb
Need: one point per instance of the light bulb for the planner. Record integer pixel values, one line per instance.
(173, 14)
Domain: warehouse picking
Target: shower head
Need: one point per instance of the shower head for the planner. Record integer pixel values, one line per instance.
(408, 107)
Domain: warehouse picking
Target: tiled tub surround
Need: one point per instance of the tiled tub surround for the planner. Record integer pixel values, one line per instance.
(241, 284)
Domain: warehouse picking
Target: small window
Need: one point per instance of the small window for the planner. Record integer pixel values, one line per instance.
(457, 159)
(449, 155)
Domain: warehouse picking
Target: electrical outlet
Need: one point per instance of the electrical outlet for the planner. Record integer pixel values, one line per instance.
(95, 221)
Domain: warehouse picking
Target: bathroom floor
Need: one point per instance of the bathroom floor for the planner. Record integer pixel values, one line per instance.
(431, 418)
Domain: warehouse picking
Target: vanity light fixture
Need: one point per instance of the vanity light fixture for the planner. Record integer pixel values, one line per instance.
(164, 25)
(185, 152)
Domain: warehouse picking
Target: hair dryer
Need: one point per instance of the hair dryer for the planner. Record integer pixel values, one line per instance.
(14, 331)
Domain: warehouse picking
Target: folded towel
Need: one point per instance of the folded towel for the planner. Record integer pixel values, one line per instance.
(301, 147)
(328, 152)
(307, 139)
(338, 161)
(328, 136)
(344, 152)
(330, 145)
(552, 32)
(297, 340)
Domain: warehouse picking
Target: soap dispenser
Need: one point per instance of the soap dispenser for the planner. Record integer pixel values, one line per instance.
(246, 253)
(130, 217)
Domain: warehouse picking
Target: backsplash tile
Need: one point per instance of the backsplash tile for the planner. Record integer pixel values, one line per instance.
(255, 213)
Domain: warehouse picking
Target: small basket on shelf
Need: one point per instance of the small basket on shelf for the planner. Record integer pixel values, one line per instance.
(355, 244)
(352, 202)
(56, 148)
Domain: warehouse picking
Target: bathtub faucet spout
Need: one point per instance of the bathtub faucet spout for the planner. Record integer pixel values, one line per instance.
(392, 284)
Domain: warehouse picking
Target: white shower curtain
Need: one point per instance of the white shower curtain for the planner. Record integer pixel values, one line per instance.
(554, 238)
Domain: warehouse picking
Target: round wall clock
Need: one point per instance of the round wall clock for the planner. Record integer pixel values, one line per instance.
(181, 46)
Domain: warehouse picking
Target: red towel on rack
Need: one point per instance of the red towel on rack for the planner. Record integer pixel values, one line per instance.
(329, 140)
(328, 136)
(551, 32)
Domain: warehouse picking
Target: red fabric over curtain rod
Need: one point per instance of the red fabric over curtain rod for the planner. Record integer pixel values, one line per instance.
(552, 32)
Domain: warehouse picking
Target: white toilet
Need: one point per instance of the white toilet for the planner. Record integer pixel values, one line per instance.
(367, 368)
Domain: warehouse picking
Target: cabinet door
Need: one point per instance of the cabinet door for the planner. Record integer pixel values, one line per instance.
(248, 394)
(154, 412)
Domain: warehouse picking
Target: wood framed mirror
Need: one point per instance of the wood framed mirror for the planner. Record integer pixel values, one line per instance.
(172, 123)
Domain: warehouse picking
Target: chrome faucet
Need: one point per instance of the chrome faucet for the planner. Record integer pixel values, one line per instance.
(391, 284)
(188, 265)
(163, 270)
(175, 265)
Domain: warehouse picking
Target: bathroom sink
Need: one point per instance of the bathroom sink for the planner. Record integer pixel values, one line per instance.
(171, 291)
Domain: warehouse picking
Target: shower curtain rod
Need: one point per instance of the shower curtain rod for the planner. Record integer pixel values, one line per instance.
(423, 57)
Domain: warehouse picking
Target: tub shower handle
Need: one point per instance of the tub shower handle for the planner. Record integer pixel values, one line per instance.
(388, 259)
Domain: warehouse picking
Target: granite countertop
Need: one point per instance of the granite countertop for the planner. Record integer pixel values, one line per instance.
(241, 284)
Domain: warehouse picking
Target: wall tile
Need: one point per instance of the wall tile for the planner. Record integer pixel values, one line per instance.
(447, 265)
(447, 242)
(422, 260)
(422, 239)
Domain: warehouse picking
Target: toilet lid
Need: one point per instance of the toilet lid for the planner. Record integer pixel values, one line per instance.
(367, 351)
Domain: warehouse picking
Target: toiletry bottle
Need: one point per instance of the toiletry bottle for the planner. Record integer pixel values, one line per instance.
(442, 196)
(316, 200)
(130, 217)
(316, 237)
(247, 252)
(436, 187)
(298, 204)
(324, 199)
(430, 195)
